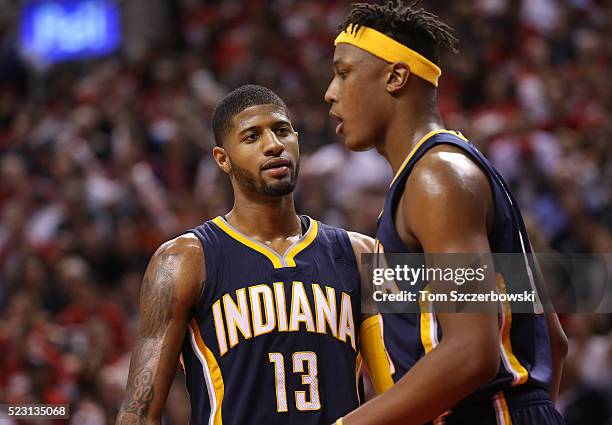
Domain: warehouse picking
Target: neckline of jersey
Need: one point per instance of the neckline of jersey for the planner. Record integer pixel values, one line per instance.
(278, 261)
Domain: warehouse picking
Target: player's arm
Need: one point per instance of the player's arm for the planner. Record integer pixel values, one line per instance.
(371, 344)
(558, 339)
(558, 347)
(170, 289)
(445, 208)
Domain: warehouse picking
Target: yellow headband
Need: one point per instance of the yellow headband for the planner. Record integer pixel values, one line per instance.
(389, 50)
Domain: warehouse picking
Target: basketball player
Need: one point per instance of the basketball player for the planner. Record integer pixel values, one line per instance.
(445, 198)
(261, 304)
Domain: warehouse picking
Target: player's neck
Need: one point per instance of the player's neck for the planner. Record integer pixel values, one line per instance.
(265, 219)
(403, 135)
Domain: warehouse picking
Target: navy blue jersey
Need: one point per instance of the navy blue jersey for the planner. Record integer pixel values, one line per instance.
(274, 338)
(524, 342)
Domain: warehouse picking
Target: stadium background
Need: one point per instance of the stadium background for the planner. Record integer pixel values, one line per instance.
(104, 159)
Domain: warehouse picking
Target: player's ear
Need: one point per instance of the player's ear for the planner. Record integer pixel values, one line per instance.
(222, 159)
(397, 76)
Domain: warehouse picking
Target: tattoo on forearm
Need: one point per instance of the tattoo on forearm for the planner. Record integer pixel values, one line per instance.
(131, 420)
(141, 394)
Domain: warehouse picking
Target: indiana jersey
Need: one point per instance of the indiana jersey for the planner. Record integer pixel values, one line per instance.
(274, 337)
(524, 343)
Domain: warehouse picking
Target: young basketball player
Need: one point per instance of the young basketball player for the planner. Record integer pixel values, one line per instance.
(445, 198)
(261, 304)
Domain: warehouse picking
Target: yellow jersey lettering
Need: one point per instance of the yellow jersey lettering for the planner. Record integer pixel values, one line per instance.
(325, 309)
(237, 316)
(265, 310)
(300, 309)
(257, 294)
(347, 325)
(219, 327)
(281, 306)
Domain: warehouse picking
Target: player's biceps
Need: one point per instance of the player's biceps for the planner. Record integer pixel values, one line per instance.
(449, 232)
(154, 351)
(461, 238)
(472, 331)
(472, 338)
(167, 364)
(164, 311)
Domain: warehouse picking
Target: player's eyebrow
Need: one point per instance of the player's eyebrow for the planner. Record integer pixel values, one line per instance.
(276, 123)
(251, 128)
(281, 122)
(341, 63)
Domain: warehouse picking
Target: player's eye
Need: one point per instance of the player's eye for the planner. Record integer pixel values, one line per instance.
(251, 137)
(283, 131)
(342, 74)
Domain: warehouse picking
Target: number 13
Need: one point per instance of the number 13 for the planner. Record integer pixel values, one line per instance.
(310, 379)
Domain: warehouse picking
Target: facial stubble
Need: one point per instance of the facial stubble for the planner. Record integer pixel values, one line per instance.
(246, 179)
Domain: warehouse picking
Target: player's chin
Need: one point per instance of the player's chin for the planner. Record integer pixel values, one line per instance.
(357, 144)
(279, 187)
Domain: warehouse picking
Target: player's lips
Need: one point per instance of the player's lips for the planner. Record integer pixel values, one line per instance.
(276, 167)
(340, 126)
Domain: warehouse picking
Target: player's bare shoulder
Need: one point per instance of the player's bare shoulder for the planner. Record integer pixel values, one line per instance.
(447, 197)
(183, 256)
(183, 248)
(362, 244)
(446, 179)
(444, 168)
(179, 264)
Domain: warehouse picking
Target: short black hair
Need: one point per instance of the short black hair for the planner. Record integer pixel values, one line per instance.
(417, 29)
(237, 101)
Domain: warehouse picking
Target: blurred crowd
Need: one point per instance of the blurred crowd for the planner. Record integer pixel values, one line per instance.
(104, 160)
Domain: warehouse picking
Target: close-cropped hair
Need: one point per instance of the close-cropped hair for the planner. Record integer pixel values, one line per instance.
(237, 101)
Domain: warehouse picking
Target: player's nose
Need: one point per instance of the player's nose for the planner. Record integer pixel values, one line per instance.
(330, 93)
(271, 145)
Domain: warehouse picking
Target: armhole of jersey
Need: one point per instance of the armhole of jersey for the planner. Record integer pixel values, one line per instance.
(348, 249)
(200, 234)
